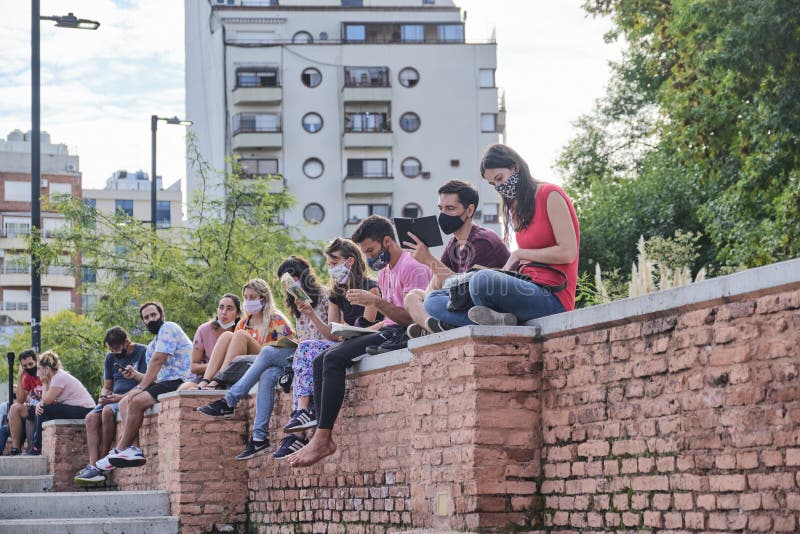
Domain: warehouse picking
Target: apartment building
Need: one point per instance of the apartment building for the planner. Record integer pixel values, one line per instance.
(363, 106)
(60, 176)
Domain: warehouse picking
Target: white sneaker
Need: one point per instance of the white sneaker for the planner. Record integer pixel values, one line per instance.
(103, 464)
(487, 316)
(130, 457)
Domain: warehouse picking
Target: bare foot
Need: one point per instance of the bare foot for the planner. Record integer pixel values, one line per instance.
(320, 446)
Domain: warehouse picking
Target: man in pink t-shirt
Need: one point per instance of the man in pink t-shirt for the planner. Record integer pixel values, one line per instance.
(398, 273)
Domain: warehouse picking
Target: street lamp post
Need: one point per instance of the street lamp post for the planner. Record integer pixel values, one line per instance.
(67, 21)
(153, 129)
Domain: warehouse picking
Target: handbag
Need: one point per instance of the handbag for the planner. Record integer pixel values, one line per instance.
(458, 284)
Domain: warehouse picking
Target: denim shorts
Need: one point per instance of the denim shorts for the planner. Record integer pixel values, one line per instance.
(99, 408)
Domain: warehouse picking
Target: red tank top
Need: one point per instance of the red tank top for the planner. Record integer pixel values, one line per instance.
(539, 234)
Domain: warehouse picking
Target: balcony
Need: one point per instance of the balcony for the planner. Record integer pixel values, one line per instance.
(15, 279)
(257, 95)
(368, 139)
(366, 94)
(60, 281)
(251, 139)
(378, 185)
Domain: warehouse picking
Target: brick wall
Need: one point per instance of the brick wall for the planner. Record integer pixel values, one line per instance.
(64, 445)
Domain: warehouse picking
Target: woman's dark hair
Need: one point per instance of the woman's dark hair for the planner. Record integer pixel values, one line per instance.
(237, 303)
(520, 209)
(373, 227)
(301, 268)
(358, 272)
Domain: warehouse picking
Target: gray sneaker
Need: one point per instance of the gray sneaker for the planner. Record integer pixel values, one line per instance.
(414, 330)
(484, 315)
(90, 475)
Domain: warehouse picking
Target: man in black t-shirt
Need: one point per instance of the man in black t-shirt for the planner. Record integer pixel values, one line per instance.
(470, 245)
(101, 422)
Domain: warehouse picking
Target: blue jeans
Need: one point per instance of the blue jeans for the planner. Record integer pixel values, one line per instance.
(266, 370)
(499, 292)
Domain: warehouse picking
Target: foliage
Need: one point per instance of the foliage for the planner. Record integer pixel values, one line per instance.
(698, 132)
(234, 234)
(78, 341)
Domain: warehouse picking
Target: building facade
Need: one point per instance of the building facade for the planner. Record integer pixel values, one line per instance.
(60, 176)
(363, 106)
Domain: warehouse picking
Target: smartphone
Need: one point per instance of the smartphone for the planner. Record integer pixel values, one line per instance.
(121, 368)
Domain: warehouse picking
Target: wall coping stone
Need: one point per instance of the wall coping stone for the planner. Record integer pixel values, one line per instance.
(768, 279)
(63, 422)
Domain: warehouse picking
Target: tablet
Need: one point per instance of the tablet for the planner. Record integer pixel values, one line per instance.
(425, 228)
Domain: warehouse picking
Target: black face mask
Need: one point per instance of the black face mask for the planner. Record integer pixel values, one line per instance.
(155, 326)
(120, 354)
(31, 370)
(450, 223)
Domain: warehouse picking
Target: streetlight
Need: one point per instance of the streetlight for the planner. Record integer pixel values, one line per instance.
(68, 21)
(153, 128)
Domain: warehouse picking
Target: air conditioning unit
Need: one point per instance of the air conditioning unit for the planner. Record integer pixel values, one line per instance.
(71, 167)
(426, 175)
(323, 36)
(43, 183)
(45, 291)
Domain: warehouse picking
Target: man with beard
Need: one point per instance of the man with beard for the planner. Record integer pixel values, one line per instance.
(22, 413)
(168, 366)
(101, 422)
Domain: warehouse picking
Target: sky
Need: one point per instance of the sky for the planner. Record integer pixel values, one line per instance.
(99, 88)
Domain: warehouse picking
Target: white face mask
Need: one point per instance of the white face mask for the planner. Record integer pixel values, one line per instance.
(253, 306)
(339, 273)
(226, 326)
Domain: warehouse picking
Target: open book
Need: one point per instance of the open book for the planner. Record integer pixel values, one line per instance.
(283, 341)
(346, 331)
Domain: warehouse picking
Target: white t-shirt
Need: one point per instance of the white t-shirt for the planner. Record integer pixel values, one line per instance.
(73, 393)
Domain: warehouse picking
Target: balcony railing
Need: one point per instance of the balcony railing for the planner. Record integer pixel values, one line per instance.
(257, 129)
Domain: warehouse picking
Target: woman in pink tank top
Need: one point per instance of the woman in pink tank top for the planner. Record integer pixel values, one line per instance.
(548, 237)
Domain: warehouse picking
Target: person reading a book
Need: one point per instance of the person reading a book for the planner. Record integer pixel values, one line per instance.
(262, 324)
(398, 273)
(542, 273)
(229, 311)
(470, 245)
(347, 270)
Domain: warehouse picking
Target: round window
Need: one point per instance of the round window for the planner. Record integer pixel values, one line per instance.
(313, 168)
(412, 210)
(311, 77)
(314, 213)
(411, 167)
(409, 121)
(302, 38)
(312, 122)
(408, 77)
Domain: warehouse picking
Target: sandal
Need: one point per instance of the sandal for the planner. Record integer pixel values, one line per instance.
(209, 386)
(200, 384)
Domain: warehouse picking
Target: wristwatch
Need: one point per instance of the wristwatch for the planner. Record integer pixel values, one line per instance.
(139, 387)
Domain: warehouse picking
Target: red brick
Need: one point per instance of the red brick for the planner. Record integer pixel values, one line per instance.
(620, 501)
(593, 448)
(652, 519)
(727, 501)
(662, 501)
(673, 520)
(727, 482)
(694, 520)
(792, 456)
(612, 519)
(747, 460)
(784, 523)
(759, 523)
(771, 481)
(772, 458)
(750, 501)
(630, 519)
(651, 483)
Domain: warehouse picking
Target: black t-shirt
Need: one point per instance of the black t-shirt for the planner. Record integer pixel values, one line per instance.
(351, 312)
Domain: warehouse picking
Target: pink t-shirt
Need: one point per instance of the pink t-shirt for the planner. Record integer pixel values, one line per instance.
(205, 338)
(395, 282)
(73, 393)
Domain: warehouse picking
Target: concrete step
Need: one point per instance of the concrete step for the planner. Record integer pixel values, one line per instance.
(23, 465)
(84, 504)
(98, 525)
(25, 484)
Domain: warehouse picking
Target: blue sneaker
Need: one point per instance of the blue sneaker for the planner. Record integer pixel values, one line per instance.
(289, 445)
(301, 420)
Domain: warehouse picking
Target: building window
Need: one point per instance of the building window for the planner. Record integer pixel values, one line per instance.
(17, 191)
(313, 168)
(163, 214)
(311, 77)
(355, 33)
(59, 190)
(356, 212)
(257, 77)
(412, 33)
(428, 2)
(124, 206)
(312, 122)
(486, 77)
(256, 122)
(366, 76)
(450, 33)
(408, 77)
(366, 122)
(352, 3)
(302, 38)
(411, 167)
(409, 121)
(88, 275)
(488, 122)
(491, 213)
(250, 168)
(367, 168)
(313, 213)
(412, 211)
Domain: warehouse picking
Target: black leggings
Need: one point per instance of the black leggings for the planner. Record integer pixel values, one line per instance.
(330, 368)
(56, 410)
